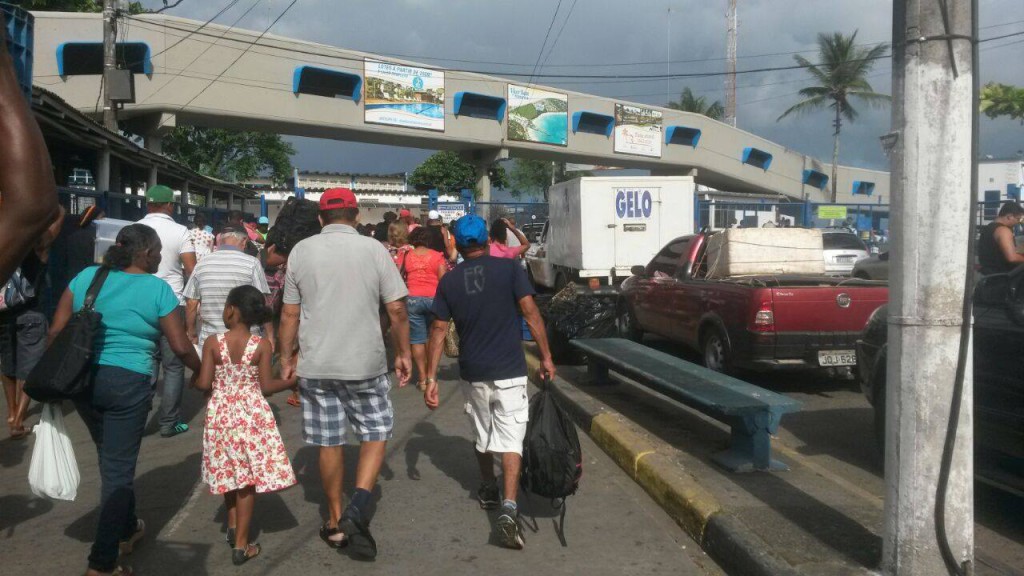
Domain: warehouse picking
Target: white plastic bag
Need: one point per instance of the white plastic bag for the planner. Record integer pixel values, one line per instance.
(54, 470)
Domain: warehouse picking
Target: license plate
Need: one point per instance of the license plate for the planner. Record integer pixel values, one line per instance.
(837, 358)
(845, 259)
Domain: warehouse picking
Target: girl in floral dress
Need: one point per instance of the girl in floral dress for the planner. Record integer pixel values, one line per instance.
(242, 449)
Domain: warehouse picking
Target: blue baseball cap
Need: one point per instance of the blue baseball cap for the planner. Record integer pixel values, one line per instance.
(263, 220)
(470, 230)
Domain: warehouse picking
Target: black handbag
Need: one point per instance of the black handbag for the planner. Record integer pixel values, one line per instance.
(62, 372)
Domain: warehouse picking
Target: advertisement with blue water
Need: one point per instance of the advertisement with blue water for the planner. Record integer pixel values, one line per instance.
(405, 96)
(537, 115)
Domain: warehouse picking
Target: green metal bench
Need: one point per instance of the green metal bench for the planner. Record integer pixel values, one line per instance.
(753, 413)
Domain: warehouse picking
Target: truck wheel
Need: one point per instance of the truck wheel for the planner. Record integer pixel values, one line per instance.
(716, 351)
(627, 324)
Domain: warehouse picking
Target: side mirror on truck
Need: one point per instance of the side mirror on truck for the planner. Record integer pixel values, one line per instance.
(638, 270)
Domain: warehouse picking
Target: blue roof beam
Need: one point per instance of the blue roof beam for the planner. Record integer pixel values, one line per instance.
(592, 123)
(683, 135)
(757, 158)
(479, 106)
(317, 81)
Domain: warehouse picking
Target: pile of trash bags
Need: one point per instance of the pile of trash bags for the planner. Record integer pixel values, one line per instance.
(573, 313)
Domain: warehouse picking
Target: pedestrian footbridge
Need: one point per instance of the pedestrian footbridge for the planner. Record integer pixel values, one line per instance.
(188, 73)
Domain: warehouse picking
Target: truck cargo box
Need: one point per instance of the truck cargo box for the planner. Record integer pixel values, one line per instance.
(600, 226)
(765, 251)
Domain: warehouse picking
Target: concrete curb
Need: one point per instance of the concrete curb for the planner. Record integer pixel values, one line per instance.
(725, 538)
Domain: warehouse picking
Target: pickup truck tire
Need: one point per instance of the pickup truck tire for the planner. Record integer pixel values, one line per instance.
(715, 347)
(627, 323)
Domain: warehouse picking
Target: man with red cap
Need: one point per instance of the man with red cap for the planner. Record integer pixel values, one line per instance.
(334, 286)
(405, 215)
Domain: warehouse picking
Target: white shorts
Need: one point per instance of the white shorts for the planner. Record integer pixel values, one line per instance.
(499, 411)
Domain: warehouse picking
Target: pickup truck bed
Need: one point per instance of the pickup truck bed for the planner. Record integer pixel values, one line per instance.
(750, 322)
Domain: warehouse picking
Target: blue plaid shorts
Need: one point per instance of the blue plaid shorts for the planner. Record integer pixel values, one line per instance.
(328, 406)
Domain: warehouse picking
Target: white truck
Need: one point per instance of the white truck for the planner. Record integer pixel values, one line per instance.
(601, 227)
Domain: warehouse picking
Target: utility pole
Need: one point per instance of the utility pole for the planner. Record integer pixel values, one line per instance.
(730, 64)
(932, 158)
(109, 62)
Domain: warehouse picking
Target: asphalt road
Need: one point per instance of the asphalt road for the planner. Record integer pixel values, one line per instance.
(834, 431)
(427, 520)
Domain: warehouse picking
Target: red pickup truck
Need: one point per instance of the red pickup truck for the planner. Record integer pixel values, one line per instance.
(749, 322)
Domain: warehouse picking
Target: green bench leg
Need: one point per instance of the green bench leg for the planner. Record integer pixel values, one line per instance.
(750, 446)
(597, 372)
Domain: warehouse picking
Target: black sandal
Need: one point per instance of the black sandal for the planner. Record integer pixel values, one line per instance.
(229, 537)
(240, 556)
(325, 534)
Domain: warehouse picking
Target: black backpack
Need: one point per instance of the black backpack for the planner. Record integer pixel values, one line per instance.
(62, 372)
(552, 458)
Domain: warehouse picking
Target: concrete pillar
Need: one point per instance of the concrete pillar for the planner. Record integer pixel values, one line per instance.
(231, 202)
(483, 189)
(931, 182)
(151, 178)
(209, 198)
(154, 142)
(103, 170)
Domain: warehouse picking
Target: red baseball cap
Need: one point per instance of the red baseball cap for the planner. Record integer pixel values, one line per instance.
(404, 213)
(334, 198)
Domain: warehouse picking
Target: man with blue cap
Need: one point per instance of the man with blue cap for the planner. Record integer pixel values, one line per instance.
(485, 297)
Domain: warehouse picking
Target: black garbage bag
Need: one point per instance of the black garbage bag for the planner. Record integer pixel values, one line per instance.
(573, 313)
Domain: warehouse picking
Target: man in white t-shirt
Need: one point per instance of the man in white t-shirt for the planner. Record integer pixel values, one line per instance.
(177, 260)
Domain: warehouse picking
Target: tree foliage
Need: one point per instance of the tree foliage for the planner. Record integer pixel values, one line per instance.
(229, 155)
(533, 177)
(840, 77)
(689, 102)
(450, 173)
(1002, 100)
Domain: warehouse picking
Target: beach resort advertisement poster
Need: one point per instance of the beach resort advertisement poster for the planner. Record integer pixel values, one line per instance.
(637, 130)
(405, 96)
(537, 115)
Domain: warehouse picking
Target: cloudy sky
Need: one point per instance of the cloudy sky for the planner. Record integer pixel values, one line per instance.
(627, 37)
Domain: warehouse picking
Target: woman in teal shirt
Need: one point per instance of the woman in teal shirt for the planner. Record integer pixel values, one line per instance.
(137, 309)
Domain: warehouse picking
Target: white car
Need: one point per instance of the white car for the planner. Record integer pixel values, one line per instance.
(843, 249)
(539, 269)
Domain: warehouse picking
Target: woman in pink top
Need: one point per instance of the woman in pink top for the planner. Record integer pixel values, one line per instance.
(421, 268)
(499, 240)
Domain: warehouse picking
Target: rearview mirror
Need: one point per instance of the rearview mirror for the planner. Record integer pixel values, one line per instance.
(638, 270)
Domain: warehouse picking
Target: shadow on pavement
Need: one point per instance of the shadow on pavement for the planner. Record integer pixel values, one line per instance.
(18, 508)
(307, 472)
(845, 434)
(157, 500)
(271, 515)
(13, 452)
(452, 455)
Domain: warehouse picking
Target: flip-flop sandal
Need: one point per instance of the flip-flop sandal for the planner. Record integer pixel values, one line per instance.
(293, 401)
(326, 533)
(240, 556)
(127, 546)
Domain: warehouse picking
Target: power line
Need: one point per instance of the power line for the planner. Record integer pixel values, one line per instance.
(559, 35)
(545, 42)
(565, 78)
(205, 50)
(203, 25)
(235, 61)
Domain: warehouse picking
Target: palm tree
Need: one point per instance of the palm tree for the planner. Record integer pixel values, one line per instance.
(841, 75)
(698, 105)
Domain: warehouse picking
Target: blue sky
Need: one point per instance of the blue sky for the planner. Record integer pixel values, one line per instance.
(506, 35)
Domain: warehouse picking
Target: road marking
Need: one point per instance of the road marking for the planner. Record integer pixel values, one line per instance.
(636, 461)
(182, 514)
(822, 471)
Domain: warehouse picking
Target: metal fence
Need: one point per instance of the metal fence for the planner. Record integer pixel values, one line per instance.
(131, 207)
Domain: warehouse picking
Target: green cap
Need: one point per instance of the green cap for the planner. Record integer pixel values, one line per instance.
(159, 194)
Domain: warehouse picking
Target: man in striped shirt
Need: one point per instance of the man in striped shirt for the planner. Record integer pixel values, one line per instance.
(216, 275)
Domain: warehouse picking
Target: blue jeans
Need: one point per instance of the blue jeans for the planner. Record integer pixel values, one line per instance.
(174, 383)
(115, 409)
(419, 310)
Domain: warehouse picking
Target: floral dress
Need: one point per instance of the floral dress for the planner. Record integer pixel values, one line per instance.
(241, 444)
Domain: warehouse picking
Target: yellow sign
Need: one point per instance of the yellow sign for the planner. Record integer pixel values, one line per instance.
(832, 212)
